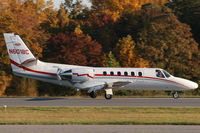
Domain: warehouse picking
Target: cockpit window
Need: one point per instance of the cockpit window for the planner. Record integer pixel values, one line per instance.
(166, 74)
(159, 74)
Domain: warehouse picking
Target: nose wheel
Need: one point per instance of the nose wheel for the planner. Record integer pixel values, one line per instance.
(108, 94)
(175, 95)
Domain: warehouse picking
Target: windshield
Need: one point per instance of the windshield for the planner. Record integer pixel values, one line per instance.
(166, 74)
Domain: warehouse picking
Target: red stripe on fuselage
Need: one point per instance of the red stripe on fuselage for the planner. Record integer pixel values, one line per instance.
(30, 70)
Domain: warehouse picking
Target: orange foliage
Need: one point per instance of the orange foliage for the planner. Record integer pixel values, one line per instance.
(115, 8)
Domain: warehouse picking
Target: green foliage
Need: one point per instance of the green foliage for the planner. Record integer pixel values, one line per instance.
(110, 61)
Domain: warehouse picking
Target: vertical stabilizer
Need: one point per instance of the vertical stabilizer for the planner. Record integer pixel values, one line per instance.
(18, 52)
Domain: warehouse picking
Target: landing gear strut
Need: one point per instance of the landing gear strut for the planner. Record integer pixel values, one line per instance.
(93, 94)
(175, 95)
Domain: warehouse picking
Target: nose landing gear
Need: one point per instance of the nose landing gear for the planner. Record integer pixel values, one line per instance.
(108, 94)
(175, 95)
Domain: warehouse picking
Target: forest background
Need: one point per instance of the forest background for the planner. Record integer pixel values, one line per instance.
(110, 33)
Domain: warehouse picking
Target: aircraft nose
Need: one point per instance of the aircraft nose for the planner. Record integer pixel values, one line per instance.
(187, 83)
(194, 85)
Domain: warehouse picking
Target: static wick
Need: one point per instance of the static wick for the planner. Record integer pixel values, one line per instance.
(5, 107)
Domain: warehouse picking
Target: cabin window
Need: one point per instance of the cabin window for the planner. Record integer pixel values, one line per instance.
(132, 74)
(104, 73)
(111, 73)
(119, 73)
(125, 74)
(139, 73)
(159, 74)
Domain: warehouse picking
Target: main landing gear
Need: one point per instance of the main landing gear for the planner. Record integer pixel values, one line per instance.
(93, 94)
(108, 94)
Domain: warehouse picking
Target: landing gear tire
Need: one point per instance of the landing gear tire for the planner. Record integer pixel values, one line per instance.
(108, 96)
(93, 94)
(175, 95)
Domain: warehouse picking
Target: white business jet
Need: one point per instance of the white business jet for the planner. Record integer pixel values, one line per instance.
(25, 64)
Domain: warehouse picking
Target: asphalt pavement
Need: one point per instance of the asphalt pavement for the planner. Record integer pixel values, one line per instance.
(62, 101)
(99, 129)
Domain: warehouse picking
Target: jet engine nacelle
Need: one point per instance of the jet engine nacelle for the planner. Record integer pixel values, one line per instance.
(82, 74)
(77, 74)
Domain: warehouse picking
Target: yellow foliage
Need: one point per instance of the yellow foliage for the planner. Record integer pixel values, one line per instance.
(125, 51)
(4, 83)
(64, 17)
(78, 30)
(140, 62)
(115, 8)
(127, 55)
(126, 46)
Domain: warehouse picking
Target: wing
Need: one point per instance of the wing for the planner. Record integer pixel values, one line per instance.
(120, 84)
(114, 85)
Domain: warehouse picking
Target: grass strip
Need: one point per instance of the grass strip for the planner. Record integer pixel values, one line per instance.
(100, 115)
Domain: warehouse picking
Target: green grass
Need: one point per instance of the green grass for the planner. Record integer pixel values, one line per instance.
(101, 115)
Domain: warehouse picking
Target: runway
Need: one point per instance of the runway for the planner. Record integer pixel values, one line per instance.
(158, 102)
(99, 129)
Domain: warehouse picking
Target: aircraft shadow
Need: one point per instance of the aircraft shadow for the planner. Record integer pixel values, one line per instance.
(44, 99)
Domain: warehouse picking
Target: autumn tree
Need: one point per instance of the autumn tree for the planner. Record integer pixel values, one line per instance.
(188, 11)
(102, 29)
(76, 49)
(109, 60)
(129, 24)
(167, 43)
(127, 55)
(22, 17)
(113, 19)
(50, 19)
(116, 8)
(74, 7)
